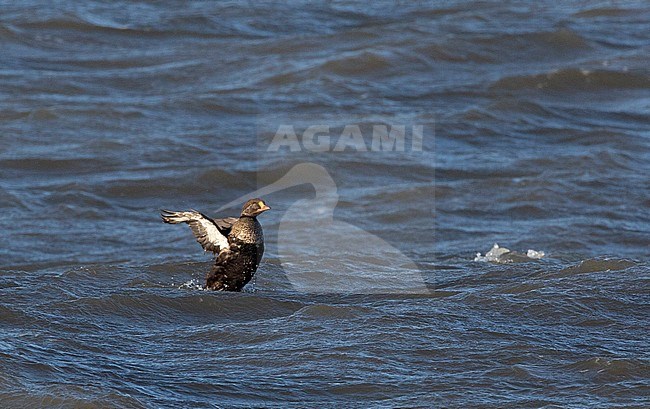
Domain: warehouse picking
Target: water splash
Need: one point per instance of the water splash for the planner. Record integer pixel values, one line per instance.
(499, 254)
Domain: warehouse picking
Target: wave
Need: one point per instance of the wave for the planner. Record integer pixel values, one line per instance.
(614, 369)
(597, 265)
(91, 24)
(575, 80)
(172, 307)
(68, 397)
(606, 12)
(538, 45)
(357, 63)
(48, 165)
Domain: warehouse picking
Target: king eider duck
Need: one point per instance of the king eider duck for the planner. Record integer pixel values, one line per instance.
(237, 243)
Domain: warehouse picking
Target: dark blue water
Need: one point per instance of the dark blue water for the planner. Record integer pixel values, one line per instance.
(525, 125)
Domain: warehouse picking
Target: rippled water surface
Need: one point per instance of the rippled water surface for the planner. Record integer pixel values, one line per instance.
(535, 135)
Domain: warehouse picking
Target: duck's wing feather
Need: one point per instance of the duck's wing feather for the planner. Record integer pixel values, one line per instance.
(225, 224)
(207, 231)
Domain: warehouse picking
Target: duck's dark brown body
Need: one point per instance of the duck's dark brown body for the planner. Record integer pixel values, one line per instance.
(234, 267)
(238, 244)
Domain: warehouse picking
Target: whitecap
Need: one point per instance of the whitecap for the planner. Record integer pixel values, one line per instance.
(499, 254)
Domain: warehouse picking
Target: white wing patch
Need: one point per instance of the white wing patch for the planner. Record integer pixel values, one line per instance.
(204, 229)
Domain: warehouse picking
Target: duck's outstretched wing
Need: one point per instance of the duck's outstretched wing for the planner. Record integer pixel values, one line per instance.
(207, 231)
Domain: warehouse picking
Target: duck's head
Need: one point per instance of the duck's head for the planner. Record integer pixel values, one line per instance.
(254, 207)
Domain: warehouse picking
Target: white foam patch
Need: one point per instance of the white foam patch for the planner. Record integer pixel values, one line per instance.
(193, 284)
(499, 254)
(534, 254)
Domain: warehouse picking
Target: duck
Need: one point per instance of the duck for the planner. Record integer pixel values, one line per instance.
(236, 242)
